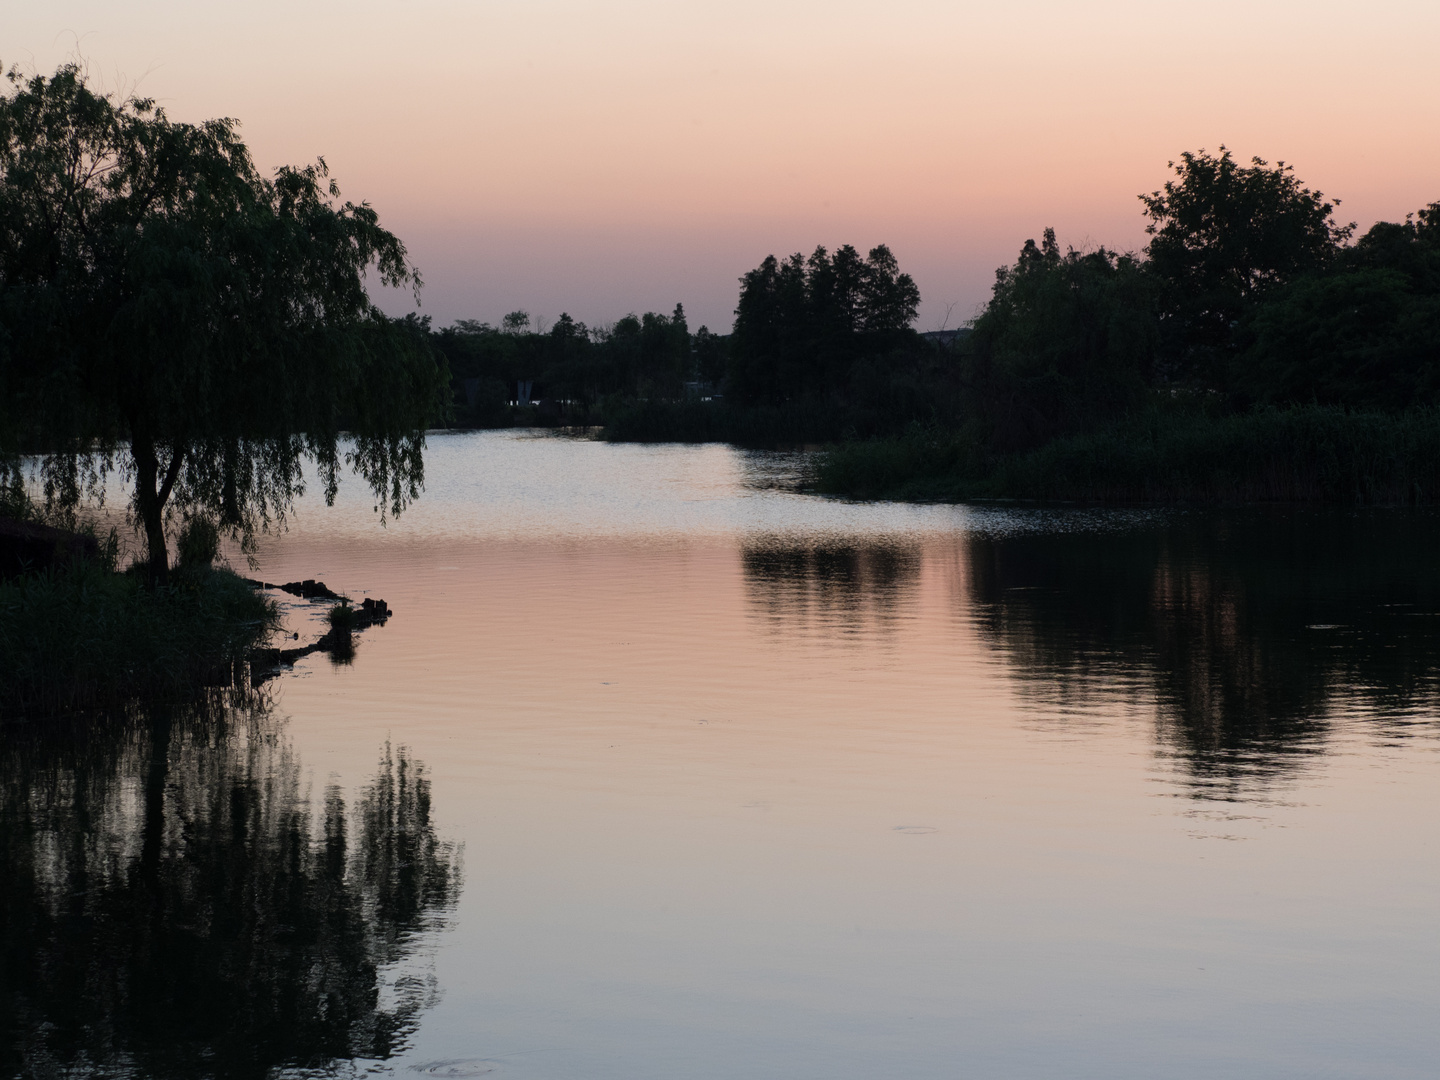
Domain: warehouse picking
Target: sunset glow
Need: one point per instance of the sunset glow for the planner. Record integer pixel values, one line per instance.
(600, 158)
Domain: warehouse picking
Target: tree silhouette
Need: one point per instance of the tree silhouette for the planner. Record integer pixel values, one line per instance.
(167, 309)
(801, 324)
(1223, 235)
(1067, 341)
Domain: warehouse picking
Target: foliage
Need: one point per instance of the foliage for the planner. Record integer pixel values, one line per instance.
(342, 618)
(911, 464)
(1366, 334)
(1252, 353)
(1306, 454)
(802, 325)
(168, 310)
(724, 421)
(1066, 342)
(199, 542)
(573, 368)
(87, 637)
(1360, 338)
(1222, 236)
(648, 377)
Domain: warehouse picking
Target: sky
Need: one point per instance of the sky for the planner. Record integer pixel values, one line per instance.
(600, 157)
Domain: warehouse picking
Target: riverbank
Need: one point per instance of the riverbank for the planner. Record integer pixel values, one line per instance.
(83, 636)
(1308, 454)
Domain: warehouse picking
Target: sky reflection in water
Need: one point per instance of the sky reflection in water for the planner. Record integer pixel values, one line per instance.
(754, 782)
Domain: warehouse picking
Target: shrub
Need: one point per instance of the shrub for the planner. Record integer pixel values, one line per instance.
(199, 542)
(342, 618)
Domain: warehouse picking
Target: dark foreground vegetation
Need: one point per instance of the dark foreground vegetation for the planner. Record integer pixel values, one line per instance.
(84, 636)
(174, 318)
(170, 314)
(78, 635)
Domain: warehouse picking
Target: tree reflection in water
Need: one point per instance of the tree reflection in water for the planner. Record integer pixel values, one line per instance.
(831, 588)
(172, 906)
(1254, 630)
(1247, 633)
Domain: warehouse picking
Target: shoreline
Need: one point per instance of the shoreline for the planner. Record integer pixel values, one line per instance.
(1308, 455)
(78, 636)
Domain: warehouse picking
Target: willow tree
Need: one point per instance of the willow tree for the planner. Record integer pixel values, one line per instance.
(169, 312)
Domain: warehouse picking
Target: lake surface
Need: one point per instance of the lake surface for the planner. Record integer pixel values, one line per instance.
(662, 770)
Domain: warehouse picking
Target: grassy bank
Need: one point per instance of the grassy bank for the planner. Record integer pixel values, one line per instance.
(85, 636)
(1307, 454)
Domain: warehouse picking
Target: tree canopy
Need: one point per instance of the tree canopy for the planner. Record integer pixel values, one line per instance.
(1066, 341)
(1364, 333)
(1223, 235)
(801, 324)
(168, 310)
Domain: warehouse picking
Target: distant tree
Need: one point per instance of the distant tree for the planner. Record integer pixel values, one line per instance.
(567, 329)
(711, 356)
(1410, 248)
(1364, 333)
(801, 324)
(567, 371)
(771, 335)
(1223, 235)
(166, 309)
(517, 322)
(1066, 341)
(665, 352)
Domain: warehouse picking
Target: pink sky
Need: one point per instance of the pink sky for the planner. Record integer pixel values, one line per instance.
(606, 157)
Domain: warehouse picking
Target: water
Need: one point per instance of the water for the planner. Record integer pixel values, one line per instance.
(664, 771)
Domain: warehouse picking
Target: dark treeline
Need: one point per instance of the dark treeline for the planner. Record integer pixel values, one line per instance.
(1248, 293)
(1255, 349)
(573, 369)
(821, 348)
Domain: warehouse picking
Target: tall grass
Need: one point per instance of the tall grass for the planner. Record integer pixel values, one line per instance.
(1309, 454)
(86, 637)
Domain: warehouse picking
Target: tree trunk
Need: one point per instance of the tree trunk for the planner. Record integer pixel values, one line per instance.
(150, 501)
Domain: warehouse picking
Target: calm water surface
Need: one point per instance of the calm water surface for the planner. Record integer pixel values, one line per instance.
(663, 771)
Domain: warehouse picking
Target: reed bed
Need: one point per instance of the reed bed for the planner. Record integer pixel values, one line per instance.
(1308, 454)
